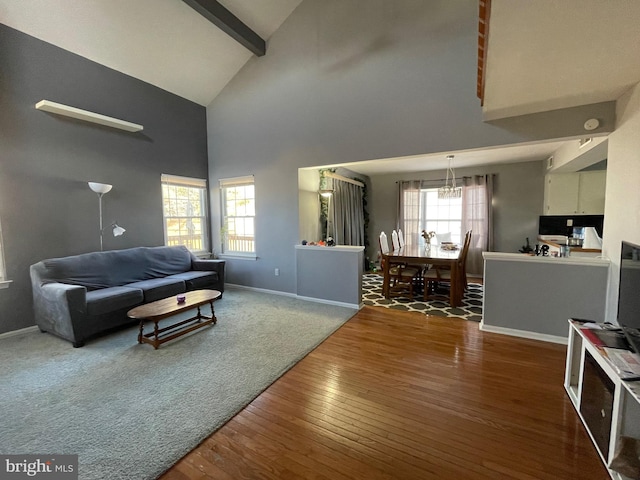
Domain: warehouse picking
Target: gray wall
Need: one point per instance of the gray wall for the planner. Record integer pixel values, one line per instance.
(540, 295)
(47, 209)
(352, 80)
(518, 202)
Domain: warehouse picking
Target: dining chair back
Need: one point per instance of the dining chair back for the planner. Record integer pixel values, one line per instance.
(440, 274)
(400, 238)
(401, 277)
(394, 241)
(384, 243)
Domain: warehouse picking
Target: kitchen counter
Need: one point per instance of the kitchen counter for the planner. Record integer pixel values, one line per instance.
(555, 243)
(533, 296)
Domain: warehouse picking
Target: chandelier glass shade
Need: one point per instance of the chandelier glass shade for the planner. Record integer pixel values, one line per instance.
(450, 190)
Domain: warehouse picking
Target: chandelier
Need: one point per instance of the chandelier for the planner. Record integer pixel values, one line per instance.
(450, 190)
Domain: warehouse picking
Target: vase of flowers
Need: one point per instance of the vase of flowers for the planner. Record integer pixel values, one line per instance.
(427, 237)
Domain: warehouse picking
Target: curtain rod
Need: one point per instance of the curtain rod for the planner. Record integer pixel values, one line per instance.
(344, 179)
(435, 179)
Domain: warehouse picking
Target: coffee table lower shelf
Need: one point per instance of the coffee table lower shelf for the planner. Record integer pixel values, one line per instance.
(167, 307)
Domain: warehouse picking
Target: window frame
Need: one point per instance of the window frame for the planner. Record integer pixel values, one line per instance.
(193, 183)
(226, 183)
(456, 237)
(4, 282)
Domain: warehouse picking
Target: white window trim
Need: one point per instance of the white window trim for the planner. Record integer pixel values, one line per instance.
(167, 179)
(449, 220)
(230, 182)
(4, 283)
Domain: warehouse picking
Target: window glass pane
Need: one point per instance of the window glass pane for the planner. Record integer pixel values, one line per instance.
(441, 215)
(238, 218)
(185, 212)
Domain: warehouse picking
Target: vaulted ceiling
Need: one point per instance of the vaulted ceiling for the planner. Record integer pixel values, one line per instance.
(162, 42)
(542, 54)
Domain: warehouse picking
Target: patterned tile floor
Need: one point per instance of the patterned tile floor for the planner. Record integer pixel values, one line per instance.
(471, 308)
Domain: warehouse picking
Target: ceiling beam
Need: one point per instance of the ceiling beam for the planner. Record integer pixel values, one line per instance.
(226, 21)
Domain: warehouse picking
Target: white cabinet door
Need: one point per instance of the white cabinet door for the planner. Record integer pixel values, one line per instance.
(562, 194)
(591, 192)
(575, 193)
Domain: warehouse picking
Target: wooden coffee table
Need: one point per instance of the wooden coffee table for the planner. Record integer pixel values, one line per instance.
(167, 307)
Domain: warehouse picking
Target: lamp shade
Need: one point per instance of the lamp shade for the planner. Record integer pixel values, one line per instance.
(100, 187)
(117, 230)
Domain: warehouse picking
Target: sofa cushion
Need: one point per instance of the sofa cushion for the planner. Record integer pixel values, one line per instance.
(107, 300)
(159, 288)
(197, 280)
(117, 267)
(163, 261)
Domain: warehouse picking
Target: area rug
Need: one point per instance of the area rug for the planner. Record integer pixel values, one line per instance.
(129, 411)
(471, 308)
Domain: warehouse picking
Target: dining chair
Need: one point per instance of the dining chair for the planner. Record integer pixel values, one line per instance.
(402, 277)
(440, 274)
(395, 241)
(400, 238)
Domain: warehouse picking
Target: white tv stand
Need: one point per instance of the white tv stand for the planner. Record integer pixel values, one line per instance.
(608, 406)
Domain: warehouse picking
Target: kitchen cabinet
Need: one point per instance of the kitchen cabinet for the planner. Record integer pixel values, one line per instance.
(579, 193)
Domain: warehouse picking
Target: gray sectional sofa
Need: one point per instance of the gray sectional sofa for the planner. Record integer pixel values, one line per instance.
(81, 296)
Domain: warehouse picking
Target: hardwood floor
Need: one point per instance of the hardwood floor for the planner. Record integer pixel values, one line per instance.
(396, 395)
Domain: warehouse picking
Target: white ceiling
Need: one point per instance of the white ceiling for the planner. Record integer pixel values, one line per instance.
(467, 158)
(543, 54)
(162, 42)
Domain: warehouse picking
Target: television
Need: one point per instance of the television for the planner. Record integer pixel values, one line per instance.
(629, 287)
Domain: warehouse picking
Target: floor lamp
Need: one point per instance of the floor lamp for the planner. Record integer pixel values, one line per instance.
(101, 189)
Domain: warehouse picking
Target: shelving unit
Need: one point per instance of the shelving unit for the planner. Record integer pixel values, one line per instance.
(87, 116)
(618, 414)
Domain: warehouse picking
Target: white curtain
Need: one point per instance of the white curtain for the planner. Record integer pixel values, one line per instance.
(346, 214)
(409, 210)
(477, 196)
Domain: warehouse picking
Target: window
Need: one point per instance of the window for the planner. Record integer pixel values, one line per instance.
(184, 202)
(238, 216)
(440, 215)
(3, 273)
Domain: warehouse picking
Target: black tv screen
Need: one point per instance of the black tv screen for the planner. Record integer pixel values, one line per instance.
(629, 289)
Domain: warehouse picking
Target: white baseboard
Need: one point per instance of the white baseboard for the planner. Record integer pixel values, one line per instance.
(299, 297)
(331, 302)
(22, 331)
(263, 290)
(524, 334)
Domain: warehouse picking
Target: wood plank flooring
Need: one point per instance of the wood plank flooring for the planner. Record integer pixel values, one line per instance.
(396, 395)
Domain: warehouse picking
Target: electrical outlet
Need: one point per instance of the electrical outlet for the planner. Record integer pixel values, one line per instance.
(276, 272)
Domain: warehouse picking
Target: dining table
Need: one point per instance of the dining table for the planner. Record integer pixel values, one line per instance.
(432, 255)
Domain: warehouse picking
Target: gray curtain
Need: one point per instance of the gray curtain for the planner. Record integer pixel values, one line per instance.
(477, 215)
(347, 214)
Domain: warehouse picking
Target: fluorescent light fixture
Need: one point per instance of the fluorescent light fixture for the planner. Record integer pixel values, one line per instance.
(87, 116)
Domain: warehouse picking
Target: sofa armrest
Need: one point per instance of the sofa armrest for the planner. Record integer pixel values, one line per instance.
(60, 308)
(211, 266)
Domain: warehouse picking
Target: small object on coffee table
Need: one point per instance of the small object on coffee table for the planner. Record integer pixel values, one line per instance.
(181, 298)
(167, 307)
